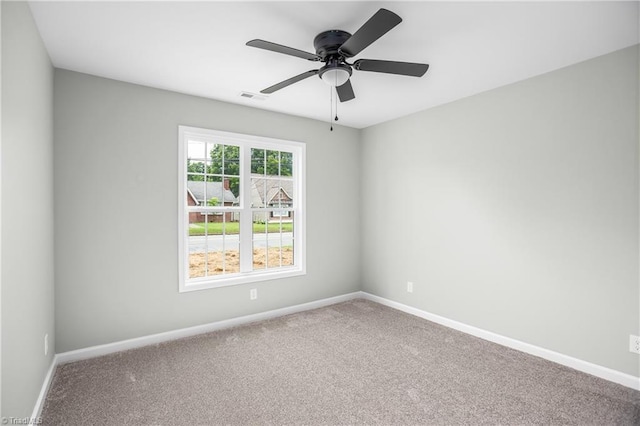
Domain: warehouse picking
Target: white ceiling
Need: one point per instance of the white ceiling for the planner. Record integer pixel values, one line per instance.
(199, 48)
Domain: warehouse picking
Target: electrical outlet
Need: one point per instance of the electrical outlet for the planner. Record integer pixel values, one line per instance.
(409, 287)
(634, 344)
(253, 294)
(46, 344)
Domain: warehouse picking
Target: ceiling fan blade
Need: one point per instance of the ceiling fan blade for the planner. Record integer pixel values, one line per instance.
(391, 67)
(267, 45)
(345, 92)
(377, 26)
(289, 81)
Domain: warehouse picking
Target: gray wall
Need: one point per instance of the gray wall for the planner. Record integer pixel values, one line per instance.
(516, 210)
(116, 209)
(27, 210)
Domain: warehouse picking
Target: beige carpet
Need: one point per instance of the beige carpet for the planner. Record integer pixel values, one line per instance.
(356, 362)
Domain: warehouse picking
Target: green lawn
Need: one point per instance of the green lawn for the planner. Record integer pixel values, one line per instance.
(234, 227)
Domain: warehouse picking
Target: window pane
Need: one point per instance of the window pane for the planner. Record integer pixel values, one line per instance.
(234, 186)
(273, 163)
(257, 161)
(196, 262)
(216, 153)
(232, 160)
(196, 161)
(197, 238)
(259, 239)
(258, 191)
(281, 194)
(269, 192)
(209, 191)
(286, 164)
(196, 150)
(195, 170)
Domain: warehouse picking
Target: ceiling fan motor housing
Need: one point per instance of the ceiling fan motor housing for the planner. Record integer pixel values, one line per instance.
(327, 43)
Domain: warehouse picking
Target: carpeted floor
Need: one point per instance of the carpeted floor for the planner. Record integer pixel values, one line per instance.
(356, 362)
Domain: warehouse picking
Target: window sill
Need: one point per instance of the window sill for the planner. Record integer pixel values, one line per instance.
(237, 279)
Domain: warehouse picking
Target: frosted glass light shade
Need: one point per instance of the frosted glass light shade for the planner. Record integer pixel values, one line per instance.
(335, 77)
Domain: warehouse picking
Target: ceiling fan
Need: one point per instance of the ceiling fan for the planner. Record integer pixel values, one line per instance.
(334, 47)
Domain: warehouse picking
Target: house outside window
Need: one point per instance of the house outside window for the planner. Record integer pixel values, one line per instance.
(242, 208)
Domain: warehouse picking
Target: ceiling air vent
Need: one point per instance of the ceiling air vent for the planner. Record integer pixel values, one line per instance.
(253, 96)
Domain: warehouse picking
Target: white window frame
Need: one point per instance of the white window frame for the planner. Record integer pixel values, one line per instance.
(246, 142)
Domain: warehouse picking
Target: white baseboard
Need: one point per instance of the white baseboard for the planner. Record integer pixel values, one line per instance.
(153, 339)
(575, 363)
(43, 391)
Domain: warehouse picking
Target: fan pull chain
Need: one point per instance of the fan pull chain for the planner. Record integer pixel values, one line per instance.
(330, 107)
(336, 99)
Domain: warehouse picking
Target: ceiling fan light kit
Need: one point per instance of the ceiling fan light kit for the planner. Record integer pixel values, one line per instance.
(335, 75)
(334, 47)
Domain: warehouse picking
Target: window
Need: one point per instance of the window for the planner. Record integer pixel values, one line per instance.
(241, 215)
